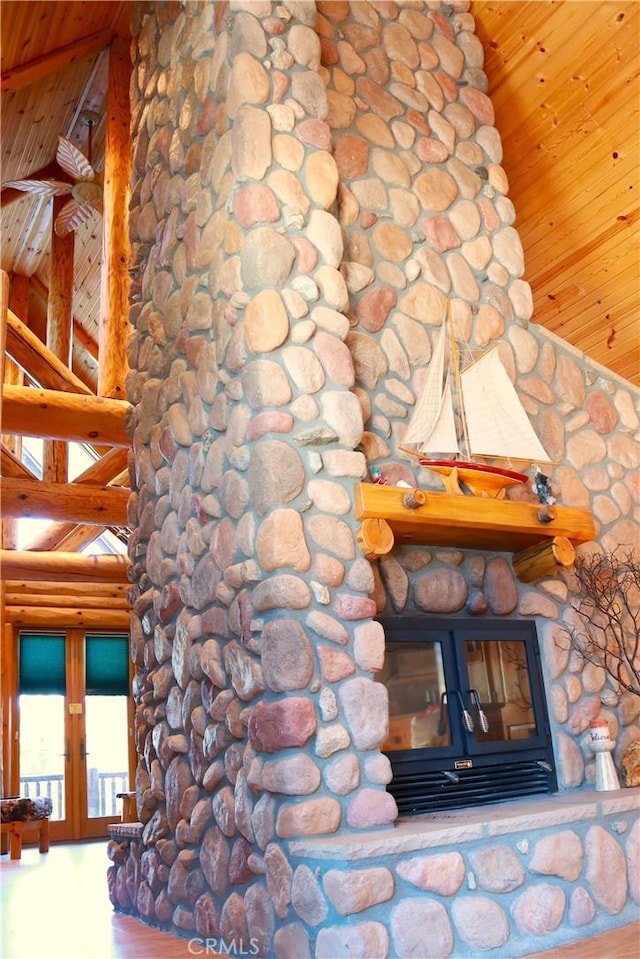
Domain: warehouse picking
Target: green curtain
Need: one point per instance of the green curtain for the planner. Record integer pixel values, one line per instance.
(107, 665)
(42, 664)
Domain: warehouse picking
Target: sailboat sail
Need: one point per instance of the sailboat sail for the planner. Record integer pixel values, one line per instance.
(432, 425)
(497, 425)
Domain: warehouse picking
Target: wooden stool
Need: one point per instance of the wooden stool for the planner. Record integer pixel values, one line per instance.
(20, 813)
(14, 830)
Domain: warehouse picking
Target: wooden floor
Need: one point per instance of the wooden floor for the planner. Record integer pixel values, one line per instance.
(55, 906)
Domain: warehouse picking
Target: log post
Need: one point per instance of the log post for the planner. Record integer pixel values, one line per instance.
(8, 708)
(114, 292)
(14, 376)
(59, 315)
(13, 373)
(375, 538)
(55, 465)
(543, 559)
(4, 309)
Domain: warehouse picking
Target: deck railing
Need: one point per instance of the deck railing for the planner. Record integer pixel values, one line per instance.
(102, 798)
(51, 786)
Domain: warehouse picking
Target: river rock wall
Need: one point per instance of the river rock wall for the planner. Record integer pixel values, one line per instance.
(311, 184)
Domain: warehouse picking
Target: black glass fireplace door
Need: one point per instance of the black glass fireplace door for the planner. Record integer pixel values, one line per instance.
(468, 722)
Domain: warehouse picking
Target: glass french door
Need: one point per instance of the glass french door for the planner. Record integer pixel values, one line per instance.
(74, 714)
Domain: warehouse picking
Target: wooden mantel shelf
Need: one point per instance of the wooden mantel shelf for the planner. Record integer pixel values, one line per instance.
(467, 522)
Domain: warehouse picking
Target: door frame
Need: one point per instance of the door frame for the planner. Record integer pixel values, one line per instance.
(76, 825)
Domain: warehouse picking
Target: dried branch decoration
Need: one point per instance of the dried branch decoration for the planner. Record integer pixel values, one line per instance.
(608, 607)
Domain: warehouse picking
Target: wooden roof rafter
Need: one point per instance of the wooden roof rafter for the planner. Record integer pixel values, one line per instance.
(44, 66)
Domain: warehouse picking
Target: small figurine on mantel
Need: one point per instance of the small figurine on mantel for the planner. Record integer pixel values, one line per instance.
(541, 486)
(376, 476)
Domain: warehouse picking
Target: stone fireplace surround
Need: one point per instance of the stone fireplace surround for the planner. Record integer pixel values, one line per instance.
(312, 183)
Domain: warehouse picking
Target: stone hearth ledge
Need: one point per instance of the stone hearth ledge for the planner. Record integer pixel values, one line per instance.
(465, 825)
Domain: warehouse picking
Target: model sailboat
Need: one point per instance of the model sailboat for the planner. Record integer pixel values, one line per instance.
(490, 423)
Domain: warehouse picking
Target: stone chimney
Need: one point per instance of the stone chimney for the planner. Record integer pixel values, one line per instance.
(313, 183)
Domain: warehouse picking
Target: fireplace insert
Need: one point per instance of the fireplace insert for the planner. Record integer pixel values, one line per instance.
(468, 721)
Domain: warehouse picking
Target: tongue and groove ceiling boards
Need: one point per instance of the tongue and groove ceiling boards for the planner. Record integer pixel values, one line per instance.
(564, 82)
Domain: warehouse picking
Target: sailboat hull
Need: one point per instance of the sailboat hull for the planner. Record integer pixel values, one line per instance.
(481, 480)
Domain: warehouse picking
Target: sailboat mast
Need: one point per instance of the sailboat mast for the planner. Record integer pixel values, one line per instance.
(455, 366)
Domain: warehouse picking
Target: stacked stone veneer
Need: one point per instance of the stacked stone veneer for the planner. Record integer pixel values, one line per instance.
(312, 183)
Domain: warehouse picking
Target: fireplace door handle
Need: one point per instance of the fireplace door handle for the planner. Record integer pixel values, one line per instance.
(467, 718)
(483, 722)
(442, 721)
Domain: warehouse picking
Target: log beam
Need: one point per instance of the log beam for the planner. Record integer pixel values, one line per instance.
(77, 538)
(49, 63)
(106, 471)
(10, 465)
(56, 567)
(91, 505)
(543, 559)
(42, 366)
(44, 616)
(84, 350)
(25, 591)
(65, 416)
(469, 522)
(25, 600)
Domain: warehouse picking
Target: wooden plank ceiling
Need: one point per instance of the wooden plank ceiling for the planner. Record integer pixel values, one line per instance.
(564, 79)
